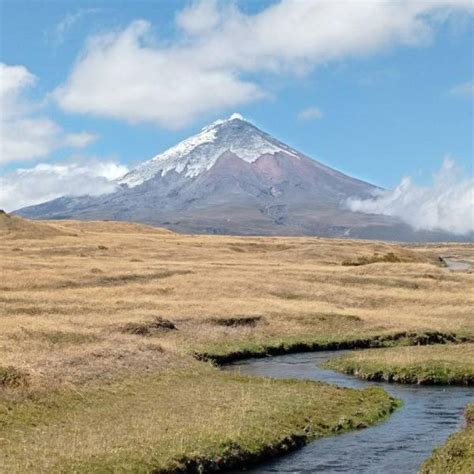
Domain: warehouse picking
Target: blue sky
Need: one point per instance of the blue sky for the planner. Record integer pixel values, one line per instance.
(378, 105)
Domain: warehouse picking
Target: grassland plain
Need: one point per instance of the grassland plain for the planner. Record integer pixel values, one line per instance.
(445, 365)
(457, 455)
(101, 323)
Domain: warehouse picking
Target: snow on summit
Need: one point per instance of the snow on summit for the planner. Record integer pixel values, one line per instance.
(200, 152)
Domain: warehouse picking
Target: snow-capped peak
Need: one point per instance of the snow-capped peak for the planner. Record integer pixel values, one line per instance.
(200, 152)
(234, 116)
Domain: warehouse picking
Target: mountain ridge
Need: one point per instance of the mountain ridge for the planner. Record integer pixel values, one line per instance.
(201, 151)
(233, 178)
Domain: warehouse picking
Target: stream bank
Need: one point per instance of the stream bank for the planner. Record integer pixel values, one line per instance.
(405, 338)
(398, 445)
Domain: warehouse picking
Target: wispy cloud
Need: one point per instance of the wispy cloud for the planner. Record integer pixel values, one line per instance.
(43, 182)
(448, 204)
(219, 50)
(67, 22)
(464, 90)
(310, 113)
(26, 134)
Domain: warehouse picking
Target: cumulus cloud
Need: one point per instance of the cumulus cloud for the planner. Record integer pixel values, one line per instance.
(463, 91)
(212, 64)
(310, 113)
(122, 76)
(43, 182)
(13, 79)
(199, 17)
(447, 205)
(24, 134)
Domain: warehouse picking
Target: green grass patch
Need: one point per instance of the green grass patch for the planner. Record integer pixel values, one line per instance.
(229, 350)
(159, 423)
(437, 364)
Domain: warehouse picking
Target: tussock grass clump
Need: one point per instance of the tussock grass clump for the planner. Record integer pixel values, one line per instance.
(260, 247)
(389, 257)
(115, 280)
(425, 365)
(149, 328)
(64, 337)
(336, 318)
(135, 277)
(11, 377)
(235, 321)
(457, 454)
(288, 295)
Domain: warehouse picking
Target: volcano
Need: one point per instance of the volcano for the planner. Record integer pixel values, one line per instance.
(233, 178)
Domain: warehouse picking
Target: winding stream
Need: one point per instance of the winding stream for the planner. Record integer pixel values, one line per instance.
(456, 265)
(398, 445)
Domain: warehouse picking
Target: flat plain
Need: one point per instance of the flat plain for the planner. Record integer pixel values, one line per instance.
(105, 329)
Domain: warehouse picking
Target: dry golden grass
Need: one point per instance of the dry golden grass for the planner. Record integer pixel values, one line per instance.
(72, 300)
(65, 300)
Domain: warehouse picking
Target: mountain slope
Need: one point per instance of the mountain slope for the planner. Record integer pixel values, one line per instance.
(232, 178)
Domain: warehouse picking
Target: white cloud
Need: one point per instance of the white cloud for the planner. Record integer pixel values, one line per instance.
(121, 76)
(13, 79)
(447, 205)
(43, 182)
(464, 90)
(199, 17)
(25, 135)
(67, 22)
(129, 75)
(310, 113)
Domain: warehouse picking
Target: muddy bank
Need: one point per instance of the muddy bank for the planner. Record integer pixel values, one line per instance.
(399, 338)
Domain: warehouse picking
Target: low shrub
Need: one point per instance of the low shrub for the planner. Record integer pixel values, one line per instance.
(148, 328)
(238, 320)
(12, 377)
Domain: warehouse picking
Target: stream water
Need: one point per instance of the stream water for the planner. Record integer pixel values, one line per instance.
(398, 445)
(457, 265)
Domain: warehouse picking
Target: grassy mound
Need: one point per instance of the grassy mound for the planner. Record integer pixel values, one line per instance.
(457, 454)
(201, 418)
(14, 227)
(148, 328)
(438, 364)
